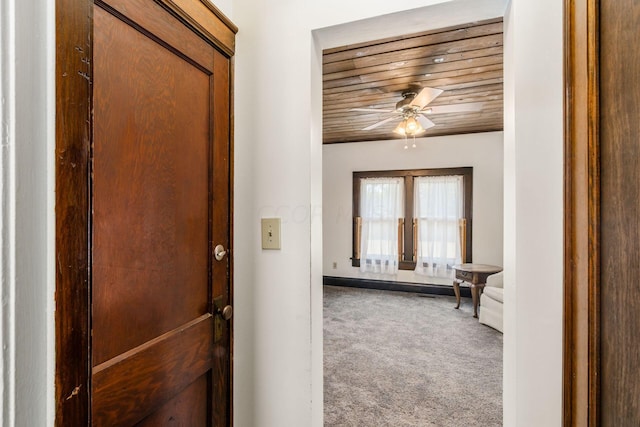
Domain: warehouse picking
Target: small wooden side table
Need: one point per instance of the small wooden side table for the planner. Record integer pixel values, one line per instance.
(476, 275)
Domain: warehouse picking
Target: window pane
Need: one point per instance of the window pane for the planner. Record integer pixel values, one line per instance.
(381, 205)
(439, 209)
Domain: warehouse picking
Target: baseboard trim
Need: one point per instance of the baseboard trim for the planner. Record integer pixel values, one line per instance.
(389, 285)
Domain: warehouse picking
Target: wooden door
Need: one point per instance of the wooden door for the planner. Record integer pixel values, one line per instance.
(602, 226)
(619, 213)
(159, 202)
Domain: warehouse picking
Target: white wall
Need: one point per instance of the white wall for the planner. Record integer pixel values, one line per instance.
(533, 204)
(225, 6)
(482, 151)
(27, 111)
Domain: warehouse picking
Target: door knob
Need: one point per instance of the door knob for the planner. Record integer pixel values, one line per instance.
(219, 252)
(221, 315)
(226, 313)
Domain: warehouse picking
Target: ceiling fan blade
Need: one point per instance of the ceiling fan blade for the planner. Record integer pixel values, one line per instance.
(424, 122)
(425, 96)
(371, 110)
(380, 123)
(454, 108)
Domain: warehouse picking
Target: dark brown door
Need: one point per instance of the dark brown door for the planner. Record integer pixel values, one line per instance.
(161, 203)
(602, 220)
(620, 213)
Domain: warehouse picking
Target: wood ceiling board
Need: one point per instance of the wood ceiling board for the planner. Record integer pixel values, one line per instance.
(387, 129)
(491, 116)
(435, 70)
(383, 94)
(361, 123)
(354, 121)
(471, 94)
(397, 86)
(350, 67)
(472, 83)
(365, 137)
(418, 62)
(403, 37)
(354, 117)
(438, 39)
(390, 135)
(400, 84)
(445, 50)
(360, 135)
(374, 75)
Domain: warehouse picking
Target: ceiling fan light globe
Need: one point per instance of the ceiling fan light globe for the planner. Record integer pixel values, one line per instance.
(412, 126)
(419, 130)
(401, 128)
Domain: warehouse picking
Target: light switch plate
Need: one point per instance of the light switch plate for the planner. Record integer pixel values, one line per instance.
(270, 233)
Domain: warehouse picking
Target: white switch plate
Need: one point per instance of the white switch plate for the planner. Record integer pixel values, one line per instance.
(270, 233)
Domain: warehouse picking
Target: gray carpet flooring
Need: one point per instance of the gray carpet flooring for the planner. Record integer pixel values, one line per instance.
(401, 359)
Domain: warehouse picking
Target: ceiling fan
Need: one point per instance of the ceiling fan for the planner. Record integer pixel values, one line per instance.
(412, 111)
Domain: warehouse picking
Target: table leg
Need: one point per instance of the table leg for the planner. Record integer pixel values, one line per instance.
(476, 291)
(474, 297)
(456, 290)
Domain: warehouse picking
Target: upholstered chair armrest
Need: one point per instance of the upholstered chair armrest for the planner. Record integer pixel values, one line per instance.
(495, 280)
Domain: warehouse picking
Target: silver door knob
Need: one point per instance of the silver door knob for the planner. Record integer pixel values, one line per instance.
(219, 252)
(227, 312)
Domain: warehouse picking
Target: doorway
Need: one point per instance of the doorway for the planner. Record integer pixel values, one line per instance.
(481, 151)
(537, 373)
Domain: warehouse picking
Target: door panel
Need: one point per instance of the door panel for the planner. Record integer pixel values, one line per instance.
(620, 213)
(150, 221)
(180, 410)
(161, 202)
(135, 384)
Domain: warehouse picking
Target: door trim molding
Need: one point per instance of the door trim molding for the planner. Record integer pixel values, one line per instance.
(74, 58)
(74, 31)
(197, 15)
(582, 214)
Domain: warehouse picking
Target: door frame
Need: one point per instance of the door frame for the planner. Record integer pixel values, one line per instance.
(73, 127)
(581, 351)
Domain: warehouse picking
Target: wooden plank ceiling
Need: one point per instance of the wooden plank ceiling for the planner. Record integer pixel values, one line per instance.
(375, 74)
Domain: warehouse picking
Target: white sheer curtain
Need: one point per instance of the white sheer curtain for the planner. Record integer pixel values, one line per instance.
(438, 209)
(381, 205)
